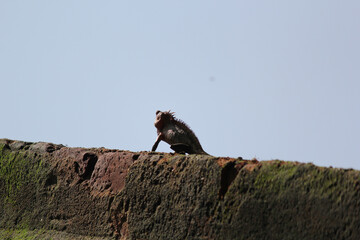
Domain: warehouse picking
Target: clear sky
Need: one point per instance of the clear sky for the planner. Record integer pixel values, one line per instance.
(265, 79)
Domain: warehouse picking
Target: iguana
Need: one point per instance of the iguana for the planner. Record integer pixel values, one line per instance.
(176, 133)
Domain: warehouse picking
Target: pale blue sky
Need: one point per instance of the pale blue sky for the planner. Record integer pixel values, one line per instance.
(264, 79)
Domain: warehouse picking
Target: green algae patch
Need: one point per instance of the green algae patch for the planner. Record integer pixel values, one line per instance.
(279, 178)
(23, 175)
(20, 169)
(43, 234)
(22, 234)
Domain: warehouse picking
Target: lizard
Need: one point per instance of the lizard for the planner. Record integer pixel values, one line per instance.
(176, 133)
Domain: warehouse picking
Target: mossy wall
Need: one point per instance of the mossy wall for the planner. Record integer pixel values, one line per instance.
(22, 178)
(57, 192)
(183, 199)
(283, 200)
(41, 192)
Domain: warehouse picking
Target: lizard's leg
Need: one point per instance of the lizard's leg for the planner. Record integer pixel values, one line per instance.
(158, 139)
(181, 148)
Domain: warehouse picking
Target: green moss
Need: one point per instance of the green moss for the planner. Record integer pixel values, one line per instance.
(21, 234)
(283, 177)
(275, 177)
(19, 169)
(43, 234)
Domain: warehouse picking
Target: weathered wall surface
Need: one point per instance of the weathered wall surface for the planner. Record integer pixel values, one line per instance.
(112, 194)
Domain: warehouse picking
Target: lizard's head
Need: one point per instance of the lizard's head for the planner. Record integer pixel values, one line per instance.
(163, 118)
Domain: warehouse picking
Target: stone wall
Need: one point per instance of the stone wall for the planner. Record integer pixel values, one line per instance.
(52, 190)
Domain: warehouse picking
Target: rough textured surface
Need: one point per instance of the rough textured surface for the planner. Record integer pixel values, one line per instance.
(47, 186)
(55, 192)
